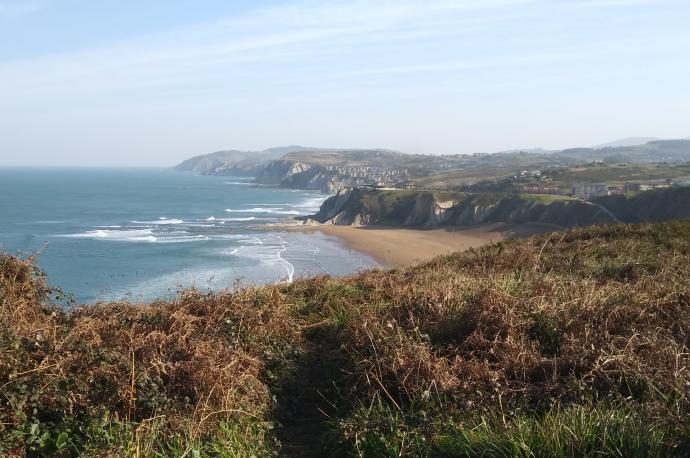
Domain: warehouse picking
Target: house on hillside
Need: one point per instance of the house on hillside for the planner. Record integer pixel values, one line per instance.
(589, 190)
(631, 187)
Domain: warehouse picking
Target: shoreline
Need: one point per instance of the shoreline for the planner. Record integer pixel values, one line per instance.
(394, 247)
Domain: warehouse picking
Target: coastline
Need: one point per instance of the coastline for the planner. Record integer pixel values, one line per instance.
(395, 247)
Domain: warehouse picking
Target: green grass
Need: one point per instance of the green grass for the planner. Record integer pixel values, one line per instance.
(544, 197)
(601, 430)
(567, 344)
(618, 173)
(615, 430)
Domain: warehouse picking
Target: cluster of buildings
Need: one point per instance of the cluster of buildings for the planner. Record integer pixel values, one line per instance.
(381, 177)
(589, 190)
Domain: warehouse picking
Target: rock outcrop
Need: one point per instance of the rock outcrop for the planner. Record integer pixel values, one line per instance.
(650, 206)
(297, 175)
(222, 162)
(436, 209)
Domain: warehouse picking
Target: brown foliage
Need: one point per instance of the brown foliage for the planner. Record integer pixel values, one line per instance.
(201, 355)
(567, 317)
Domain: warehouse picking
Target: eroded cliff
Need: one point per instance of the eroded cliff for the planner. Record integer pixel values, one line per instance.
(435, 209)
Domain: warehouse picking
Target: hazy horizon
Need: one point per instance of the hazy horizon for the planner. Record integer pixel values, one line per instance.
(131, 84)
(171, 166)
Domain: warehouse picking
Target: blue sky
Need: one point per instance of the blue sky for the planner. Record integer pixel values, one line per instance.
(153, 82)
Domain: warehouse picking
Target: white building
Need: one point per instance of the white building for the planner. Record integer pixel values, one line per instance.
(589, 190)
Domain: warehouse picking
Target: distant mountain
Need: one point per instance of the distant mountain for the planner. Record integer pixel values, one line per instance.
(206, 162)
(334, 156)
(234, 161)
(652, 151)
(330, 169)
(630, 141)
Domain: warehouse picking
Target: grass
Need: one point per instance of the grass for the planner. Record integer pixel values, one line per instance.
(618, 173)
(567, 344)
(545, 197)
(605, 429)
(565, 432)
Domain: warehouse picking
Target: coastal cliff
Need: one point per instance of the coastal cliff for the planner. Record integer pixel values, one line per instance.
(650, 206)
(297, 175)
(363, 207)
(234, 162)
(435, 209)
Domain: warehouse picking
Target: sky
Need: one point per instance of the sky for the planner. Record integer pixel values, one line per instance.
(149, 83)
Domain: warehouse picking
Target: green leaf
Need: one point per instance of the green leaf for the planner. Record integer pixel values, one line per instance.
(61, 440)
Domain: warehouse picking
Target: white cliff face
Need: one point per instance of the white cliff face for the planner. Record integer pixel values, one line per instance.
(440, 211)
(297, 175)
(298, 167)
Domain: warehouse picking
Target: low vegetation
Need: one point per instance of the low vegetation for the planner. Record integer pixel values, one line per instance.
(562, 177)
(618, 173)
(567, 344)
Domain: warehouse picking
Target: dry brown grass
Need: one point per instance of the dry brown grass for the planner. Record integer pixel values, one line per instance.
(589, 315)
(196, 360)
(605, 310)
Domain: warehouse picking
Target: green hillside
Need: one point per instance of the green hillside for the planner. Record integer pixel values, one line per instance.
(655, 160)
(568, 344)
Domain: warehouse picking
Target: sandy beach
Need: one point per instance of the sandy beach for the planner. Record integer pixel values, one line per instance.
(394, 247)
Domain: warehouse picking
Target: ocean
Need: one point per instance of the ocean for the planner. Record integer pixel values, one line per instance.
(142, 234)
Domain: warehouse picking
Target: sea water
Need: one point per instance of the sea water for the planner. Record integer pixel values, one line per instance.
(141, 234)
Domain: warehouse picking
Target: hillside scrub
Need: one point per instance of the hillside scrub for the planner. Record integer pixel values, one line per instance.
(566, 344)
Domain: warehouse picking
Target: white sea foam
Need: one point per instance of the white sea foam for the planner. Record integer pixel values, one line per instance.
(160, 222)
(307, 206)
(310, 203)
(182, 239)
(254, 210)
(270, 210)
(268, 251)
(288, 264)
(211, 218)
(242, 238)
(139, 235)
(249, 218)
(144, 235)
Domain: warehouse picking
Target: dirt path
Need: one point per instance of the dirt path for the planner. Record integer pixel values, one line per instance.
(304, 404)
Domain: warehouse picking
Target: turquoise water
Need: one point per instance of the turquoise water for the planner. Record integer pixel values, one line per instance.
(106, 234)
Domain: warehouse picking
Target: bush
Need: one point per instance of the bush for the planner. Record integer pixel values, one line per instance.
(557, 345)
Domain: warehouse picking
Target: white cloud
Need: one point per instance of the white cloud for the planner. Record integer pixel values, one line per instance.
(286, 72)
(259, 36)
